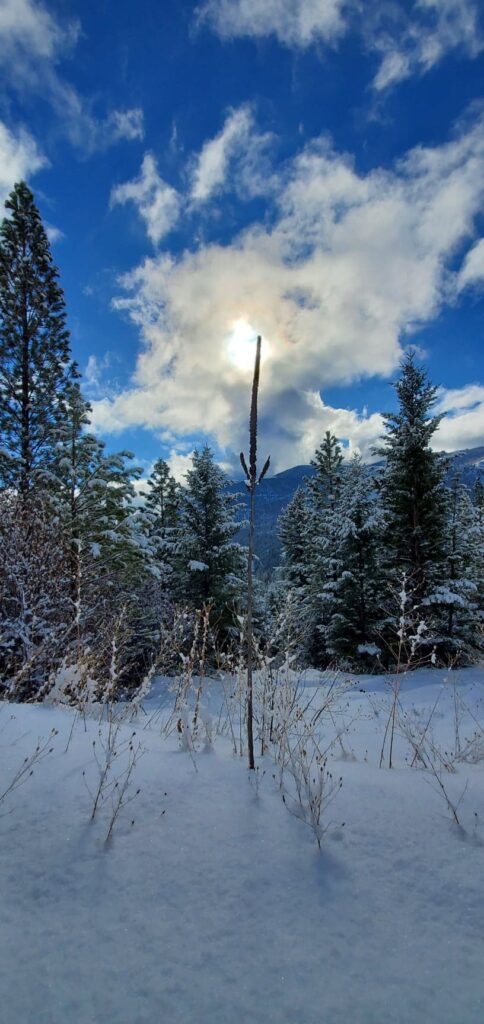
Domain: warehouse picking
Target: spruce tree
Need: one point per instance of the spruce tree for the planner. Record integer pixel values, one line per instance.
(293, 527)
(412, 491)
(162, 519)
(327, 461)
(323, 491)
(478, 502)
(356, 525)
(456, 601)
(34, 346)
(211, 565)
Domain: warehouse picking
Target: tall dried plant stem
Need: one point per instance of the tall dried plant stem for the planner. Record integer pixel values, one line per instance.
(252, 481)
(250, 648)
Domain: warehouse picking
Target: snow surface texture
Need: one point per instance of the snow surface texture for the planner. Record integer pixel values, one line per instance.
(215, 906)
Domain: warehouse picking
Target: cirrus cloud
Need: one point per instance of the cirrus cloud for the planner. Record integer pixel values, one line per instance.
(32, 43)
(410, 39)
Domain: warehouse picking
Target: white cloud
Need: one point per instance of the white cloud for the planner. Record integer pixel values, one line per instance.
(54, 234)
(126, 124)
(179, 464)
(472, 272)
(32, 42)
(239, 143)
(463, 424)
(457, 399)
(410, 38)
(19, 158)
(156, 201)
(28, 30)
(235, 158)
(337, 281)
(295, 22)
(415, 43)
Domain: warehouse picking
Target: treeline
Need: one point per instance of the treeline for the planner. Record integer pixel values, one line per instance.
(387, 568)
(102, 583)
(92, 570)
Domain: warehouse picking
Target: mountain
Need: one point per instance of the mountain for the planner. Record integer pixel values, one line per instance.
(276, 492)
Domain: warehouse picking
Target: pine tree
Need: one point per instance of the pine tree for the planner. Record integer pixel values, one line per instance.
(412, 490)
(34, 346)
(211, 565)
(109, 560)
(356, 525)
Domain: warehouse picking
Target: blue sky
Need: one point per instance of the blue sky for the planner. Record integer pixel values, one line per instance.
(312, 170)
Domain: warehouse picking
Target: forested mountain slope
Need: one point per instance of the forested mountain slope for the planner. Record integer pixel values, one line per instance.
(277, 491)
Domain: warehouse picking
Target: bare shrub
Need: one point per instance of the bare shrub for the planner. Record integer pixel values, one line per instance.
(26, 769)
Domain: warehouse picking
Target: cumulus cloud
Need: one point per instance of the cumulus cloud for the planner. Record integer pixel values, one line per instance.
(410, 38)
(239, 143)
(337, 279)
(32, 42)
(157, 202)
(463, 423)
(180, 463)
(19, 157)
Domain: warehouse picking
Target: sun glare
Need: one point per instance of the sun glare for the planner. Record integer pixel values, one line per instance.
(241, 344)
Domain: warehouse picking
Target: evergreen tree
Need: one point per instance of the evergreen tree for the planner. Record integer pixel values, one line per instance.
(478, 502)
(34, 346)
(293, 527)
(323, 492)
(162, 518)
(478, 499)
(325, 484)
(109, 560)
(352, 633)
(455, 603)
(211, 565)
(412, 490)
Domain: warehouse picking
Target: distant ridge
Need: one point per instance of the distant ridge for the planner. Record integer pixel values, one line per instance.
(277, 491)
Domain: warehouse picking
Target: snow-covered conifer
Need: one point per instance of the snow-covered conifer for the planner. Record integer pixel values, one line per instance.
(455, 603)
(162, 519)
(356, 524)
(211, 565)
(293, 527)
(34, 346)
(412, 490)
(327, 461)
(323, 491)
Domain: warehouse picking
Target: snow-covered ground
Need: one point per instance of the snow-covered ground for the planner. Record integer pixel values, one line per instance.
(215, 906)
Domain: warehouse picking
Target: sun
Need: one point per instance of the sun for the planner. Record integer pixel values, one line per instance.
(240, 345)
